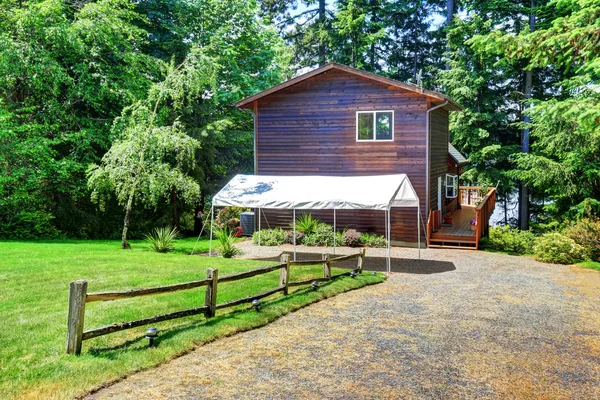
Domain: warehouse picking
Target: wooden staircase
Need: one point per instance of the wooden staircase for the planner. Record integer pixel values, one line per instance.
(460, 235)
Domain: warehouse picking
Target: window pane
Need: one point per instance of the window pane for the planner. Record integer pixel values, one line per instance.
(365, 126)
(384, 126)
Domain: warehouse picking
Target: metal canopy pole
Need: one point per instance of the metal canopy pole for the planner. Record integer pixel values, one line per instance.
(334, 231)
(259, 227)
(212, 217)
(389, 260)
(419, 228)
(294, 234)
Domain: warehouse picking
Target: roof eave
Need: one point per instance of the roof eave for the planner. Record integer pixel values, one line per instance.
(248, 101)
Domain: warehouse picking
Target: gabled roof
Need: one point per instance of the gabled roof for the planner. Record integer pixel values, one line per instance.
(438, 98)
(456, 156)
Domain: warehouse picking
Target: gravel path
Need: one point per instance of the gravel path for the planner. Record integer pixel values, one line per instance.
(460, 324)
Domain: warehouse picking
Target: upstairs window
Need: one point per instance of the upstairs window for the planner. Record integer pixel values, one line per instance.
(374, 126)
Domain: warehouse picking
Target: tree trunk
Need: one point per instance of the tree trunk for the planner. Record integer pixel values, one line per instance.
(124, 244)
(450, 9)
(374, 20)
(322, 58)
(174, 208)
(524, 190)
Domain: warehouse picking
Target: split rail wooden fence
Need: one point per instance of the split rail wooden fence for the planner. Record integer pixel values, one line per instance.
(79, 297)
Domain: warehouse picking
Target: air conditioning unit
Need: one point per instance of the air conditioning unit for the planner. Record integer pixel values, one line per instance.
(247, 223)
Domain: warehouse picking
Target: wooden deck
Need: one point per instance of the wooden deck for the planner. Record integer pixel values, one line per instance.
(460, 233)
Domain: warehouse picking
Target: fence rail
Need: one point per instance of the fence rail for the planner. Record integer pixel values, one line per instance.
(78, 296)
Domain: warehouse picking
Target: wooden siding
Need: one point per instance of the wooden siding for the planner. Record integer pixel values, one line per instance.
(438, 125)
(310, 129)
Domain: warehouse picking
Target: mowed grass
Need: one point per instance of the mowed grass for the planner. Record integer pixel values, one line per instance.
(590, 264)
(34, 287)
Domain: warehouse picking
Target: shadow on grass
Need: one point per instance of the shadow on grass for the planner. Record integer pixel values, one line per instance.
(400, 265)
(111, 352)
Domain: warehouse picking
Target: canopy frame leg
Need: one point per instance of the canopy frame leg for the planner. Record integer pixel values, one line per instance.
(259, 227)
(334, 231)
(212, 220)
(419, 229)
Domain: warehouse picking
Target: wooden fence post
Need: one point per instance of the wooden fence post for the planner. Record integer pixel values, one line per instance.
(210, 298)
(326, 265)
(284, 274)
(361, 260)
(77, 294)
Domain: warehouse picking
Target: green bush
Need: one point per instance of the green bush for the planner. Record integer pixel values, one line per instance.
(557, 248)
(321, 236)
(505, 238)
(307, 223)
(226, 239)
(373, 240)
(270, 237)
(162, 239)
(586, 233)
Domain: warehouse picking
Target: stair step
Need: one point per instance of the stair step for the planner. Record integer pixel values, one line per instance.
(470, 241)
(440, 246)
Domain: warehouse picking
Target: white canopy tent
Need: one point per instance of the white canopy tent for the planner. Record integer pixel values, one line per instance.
(378, 192)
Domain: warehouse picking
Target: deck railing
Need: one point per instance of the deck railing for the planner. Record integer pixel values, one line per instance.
(483, 211)
(471, 195)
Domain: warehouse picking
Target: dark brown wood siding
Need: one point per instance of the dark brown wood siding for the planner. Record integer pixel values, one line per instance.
(310, 129)
(438, 125)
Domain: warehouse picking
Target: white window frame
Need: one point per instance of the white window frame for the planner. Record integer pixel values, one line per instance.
(454, 186)
(374, 112)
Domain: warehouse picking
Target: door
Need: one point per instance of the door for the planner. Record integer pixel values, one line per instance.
(439, 192)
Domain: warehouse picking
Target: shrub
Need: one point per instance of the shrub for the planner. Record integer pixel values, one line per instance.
(351, 238)
(373, 240)
(512, 240)
(289, 237)
(226, 239)
(270, 237)
(162, 239)
(586, 233)
(321, 236)
(307, 224)
(229, 217)
(557, 248)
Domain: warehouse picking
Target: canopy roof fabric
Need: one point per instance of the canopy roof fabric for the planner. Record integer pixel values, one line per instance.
(378, 192)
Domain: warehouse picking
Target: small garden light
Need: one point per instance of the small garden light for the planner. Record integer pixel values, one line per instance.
(353, 274)
(256, 304)
(373, 273)
(151, 334)
(315, 285)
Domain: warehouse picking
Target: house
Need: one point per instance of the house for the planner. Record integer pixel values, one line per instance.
(341, 121)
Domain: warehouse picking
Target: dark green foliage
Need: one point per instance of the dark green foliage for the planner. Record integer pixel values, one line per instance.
(557, 248)
(68, 70)
(511, 240)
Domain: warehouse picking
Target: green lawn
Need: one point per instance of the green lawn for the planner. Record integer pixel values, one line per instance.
(34, 282)
(590, 264)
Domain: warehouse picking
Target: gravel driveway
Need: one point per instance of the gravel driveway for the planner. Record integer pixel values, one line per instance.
(459, 324)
